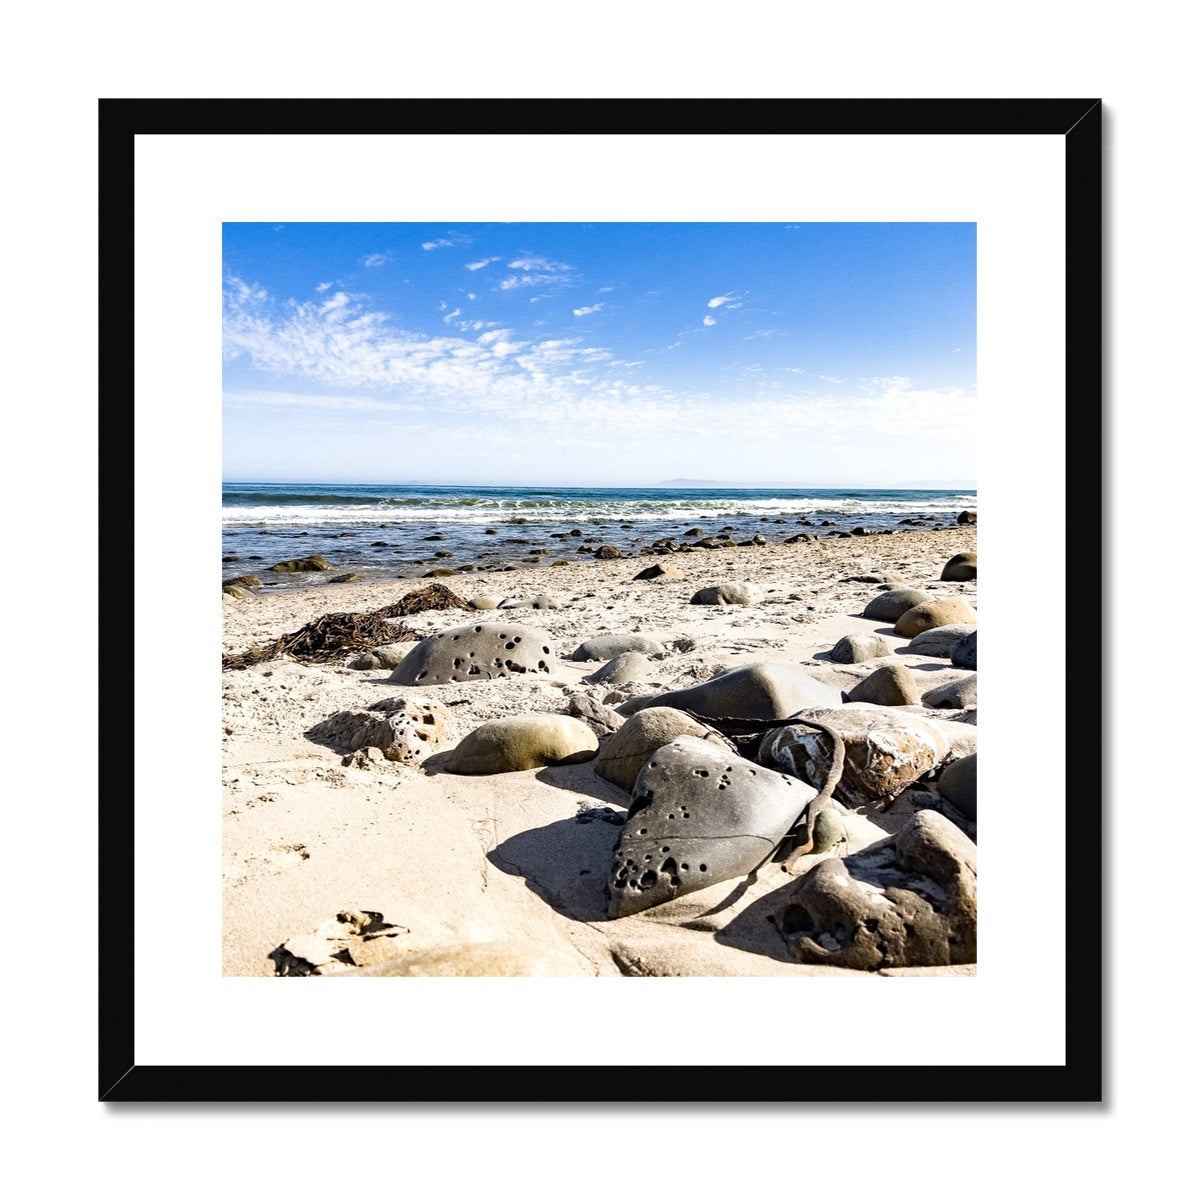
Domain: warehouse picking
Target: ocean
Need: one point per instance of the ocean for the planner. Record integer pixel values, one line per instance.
(388, 531)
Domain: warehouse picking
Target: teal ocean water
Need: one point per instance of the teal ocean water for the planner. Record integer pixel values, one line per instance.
(385, 531)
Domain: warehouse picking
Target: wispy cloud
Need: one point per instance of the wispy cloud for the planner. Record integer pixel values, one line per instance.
(376, 260)
(441, 242)
(537, 264)
(583, 312)
(710, 320)
(729, 299)
(483, 262)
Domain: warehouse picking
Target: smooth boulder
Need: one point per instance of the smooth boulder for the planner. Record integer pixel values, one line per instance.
(633, 745)
(859, 647)
(729, 593)
(964, 653)
(763, 691)
(522, 743)
(932, 613)
(961, 568)
(957, 783)
(940, 641)
(893, 685)
(607, 646)
(894, 603)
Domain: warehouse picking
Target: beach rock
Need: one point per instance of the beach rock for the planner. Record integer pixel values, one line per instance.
(695, 531)
(893, 604)
(886, 751)
(542, 601)
(600, 649)
(967, 518)
(243, 581)
(314, 562)
(348, 577)
(940, 641)
(957, 783)
(238, 593)
(635, 742)
(958, 693)
(713, 543)
(476, 652)
(891, 685)
(608, 552)
(931, 613)
(381, 657)
(859, 647)
(486, 602)
(907, 901)
(599, 718)
(625, 667)
(960, 569)
(522, 743)
(762, 691)
(729, 593)
(406, 730)
(699, 815)
(964, 654)
(658, 571)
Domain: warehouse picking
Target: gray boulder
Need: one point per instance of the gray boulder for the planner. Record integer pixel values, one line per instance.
(600, 649)
(625, 668)
(939, 642)
(475, 652)
(859, 647)
(699, 815)
(957, 783)
(763, 691)
(893, 604)
(729, 593)
(634, 743)
(964, 652)
(958, 693)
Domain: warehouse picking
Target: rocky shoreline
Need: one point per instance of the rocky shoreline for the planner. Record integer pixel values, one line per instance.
(491, 791)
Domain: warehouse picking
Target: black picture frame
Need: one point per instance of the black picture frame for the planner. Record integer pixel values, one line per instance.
(1077, 123)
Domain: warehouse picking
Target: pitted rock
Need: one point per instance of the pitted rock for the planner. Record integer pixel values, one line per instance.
(700, 815)
(403, 728)
(476, 652)
(907, 901)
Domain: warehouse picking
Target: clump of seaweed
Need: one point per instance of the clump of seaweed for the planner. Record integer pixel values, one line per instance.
(332, 636)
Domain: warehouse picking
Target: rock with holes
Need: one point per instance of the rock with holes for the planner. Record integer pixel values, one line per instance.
(932, 613)
(893, 684)
(633, 745)
(957, 783)
(699, 815)
(625, 668)
(403, 728)
(476, 652)
(729, 593)
(886, 751)
(601, 649)
(906, 901)
(859, 647)
(763, 691)
(522, 744)
(894, 603)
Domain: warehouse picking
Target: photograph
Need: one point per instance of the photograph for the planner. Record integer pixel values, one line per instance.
(599, 597)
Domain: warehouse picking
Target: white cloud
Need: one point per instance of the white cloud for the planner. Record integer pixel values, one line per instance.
(323, 287)
(717, 301)
(583, 312)
(536, 264)
(436, 245)
(376, 260)
(483, 262)
(710, 320)
(451, 315)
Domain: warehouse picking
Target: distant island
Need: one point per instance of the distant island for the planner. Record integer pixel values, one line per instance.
(936, 484)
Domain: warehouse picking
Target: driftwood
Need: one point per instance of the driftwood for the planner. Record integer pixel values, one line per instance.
(330, 637)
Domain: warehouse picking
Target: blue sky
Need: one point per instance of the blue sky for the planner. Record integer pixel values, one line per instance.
(599, 354)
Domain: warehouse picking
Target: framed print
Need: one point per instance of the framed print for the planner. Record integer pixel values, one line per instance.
(474, 790)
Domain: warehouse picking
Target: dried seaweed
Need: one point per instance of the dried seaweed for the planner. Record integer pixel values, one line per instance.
(330, 637)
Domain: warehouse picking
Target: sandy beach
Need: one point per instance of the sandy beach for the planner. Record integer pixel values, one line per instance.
(347, 862)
